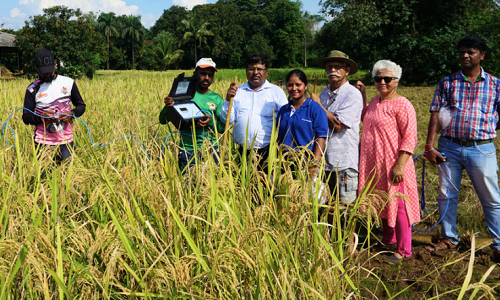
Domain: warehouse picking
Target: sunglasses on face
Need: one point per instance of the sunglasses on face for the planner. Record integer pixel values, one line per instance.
(387, 79)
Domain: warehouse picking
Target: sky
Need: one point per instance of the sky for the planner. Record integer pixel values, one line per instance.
(13, 13)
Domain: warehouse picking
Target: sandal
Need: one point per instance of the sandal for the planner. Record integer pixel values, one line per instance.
(443, 244)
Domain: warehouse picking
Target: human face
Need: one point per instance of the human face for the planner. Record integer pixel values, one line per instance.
(206, 76)
(383, 87)
(47, 77)
(337, 72)
(256, 75)
(470, 57)
(296, 88)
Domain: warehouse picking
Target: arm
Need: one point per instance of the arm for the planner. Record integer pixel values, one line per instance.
(29, 103)
(434, 127)
(333, 123)
(169, 102)
(231, 92)
(77, 101)
(361, 87)
(398, 169)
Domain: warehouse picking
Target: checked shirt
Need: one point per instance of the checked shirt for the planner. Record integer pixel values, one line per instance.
(473, 105)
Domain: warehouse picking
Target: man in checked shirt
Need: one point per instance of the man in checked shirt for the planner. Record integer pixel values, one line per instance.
(464, 112)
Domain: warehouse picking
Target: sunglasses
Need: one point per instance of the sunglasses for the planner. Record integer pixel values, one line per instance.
(387, 79)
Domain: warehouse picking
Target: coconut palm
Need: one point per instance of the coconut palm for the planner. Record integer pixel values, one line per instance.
(133, 28)
(107, 22)
(164, 52)
(196, 29)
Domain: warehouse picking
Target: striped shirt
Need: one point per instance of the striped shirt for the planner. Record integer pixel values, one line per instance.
(473, 106)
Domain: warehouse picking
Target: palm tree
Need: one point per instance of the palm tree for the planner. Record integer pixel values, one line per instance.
(310, 23)
(107, 23)
(133, 28)
(196, 29)
(164, 52)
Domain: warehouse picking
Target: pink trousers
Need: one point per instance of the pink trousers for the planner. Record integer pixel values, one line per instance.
(400, 234)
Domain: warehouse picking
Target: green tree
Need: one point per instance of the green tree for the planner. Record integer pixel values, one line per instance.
(69, 34)
(134, 29)
(108, 24)
(419, 35)
(165, 52)
(310, 24)
(196, 30)
(170, 21)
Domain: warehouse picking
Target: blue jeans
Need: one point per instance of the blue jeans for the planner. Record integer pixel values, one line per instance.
(185, 157)
(480, 162)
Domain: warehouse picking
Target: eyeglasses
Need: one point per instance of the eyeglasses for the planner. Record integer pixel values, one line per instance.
(387, 79)
(336, 67)
(256, 70)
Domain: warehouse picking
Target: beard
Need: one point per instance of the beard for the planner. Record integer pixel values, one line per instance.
(46, 79)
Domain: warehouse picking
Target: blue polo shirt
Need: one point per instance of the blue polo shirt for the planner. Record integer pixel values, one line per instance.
(307, 123)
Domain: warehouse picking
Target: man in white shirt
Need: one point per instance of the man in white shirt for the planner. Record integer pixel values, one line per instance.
(254, 106)
(343, 104)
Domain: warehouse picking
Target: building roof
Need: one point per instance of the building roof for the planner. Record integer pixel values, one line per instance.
(7, 42)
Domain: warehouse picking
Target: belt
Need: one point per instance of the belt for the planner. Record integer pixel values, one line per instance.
(468, 143)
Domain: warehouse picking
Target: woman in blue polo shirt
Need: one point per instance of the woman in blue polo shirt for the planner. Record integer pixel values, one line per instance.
(302, 122)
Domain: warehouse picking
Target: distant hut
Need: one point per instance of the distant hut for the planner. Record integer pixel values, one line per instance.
(7, 45)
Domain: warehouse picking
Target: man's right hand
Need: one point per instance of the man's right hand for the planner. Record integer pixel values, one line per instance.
(231, 92)
(434, 157)
(169, 101)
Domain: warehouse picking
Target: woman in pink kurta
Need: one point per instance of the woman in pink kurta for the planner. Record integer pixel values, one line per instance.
(387, 142)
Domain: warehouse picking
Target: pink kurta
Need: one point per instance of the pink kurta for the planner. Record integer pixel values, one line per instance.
(388, 128)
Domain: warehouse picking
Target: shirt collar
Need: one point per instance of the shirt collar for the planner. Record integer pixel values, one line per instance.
(266, 85)
(337, 91)
(482, 76)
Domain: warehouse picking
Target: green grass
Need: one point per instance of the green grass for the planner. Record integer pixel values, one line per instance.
(144, 231)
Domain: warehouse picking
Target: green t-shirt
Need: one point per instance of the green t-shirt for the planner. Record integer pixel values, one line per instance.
(209, 102)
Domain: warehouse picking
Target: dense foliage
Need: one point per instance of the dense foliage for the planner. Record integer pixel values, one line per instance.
(421, 36)
(69, 34)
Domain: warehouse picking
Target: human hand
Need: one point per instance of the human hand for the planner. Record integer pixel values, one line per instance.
(398, 172)
(203, 122)
(169, 101)
(361, 87)
(65, 116)
(434, 157)
(48, 117)
(231, 92)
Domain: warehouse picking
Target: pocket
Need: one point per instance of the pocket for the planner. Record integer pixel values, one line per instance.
(348, 186)
(443, 142)
(487, 149)
(268, 109)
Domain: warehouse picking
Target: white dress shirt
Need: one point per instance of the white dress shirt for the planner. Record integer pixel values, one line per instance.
(255, 110)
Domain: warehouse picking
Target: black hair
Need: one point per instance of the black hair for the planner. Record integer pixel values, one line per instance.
(300, 75)
(472, 41)
(258, 58)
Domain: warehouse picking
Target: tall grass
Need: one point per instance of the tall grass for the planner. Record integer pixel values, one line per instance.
(113, 224)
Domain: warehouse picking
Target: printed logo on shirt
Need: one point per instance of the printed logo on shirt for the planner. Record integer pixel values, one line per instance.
(212, 105)
(41, 95)
(64, 90)
(305, 120)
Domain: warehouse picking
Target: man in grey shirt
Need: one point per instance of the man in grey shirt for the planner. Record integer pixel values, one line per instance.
(343, 104)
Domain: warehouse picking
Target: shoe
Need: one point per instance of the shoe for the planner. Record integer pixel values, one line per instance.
(385, 247)
(496, 256)
(443, 244)
(394, 259)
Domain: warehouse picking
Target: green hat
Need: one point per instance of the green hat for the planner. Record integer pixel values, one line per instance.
(341, 56)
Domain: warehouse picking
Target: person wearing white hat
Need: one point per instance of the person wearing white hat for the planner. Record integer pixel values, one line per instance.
(211, 104)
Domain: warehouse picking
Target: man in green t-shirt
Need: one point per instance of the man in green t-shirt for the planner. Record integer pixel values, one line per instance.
(211, 105)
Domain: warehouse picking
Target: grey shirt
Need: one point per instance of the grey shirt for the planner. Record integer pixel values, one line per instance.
(346, 104)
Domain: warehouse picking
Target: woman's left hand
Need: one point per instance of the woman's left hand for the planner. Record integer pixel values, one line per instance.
(398, 172)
